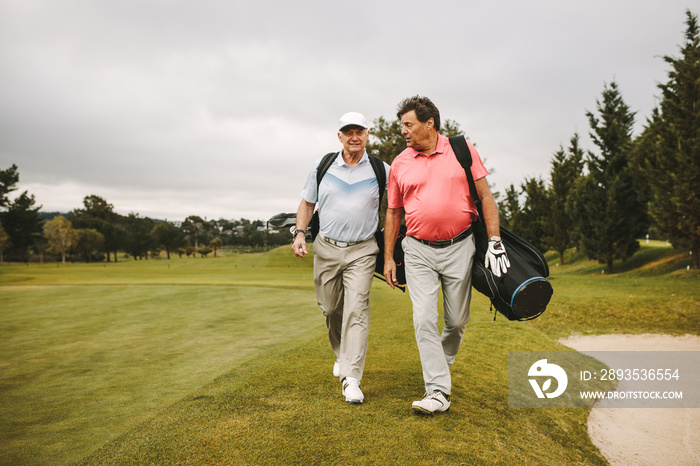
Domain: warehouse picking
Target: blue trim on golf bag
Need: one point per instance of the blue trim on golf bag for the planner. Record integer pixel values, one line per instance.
(515, 293)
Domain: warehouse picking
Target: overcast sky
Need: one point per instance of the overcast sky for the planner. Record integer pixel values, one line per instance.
(220, 108)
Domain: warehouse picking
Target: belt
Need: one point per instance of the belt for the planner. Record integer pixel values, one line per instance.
(341, 244)
(443, 243)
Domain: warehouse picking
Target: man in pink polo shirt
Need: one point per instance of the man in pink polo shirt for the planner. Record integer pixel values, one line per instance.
(428, 185)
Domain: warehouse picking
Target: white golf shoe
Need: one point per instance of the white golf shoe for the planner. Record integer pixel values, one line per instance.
(352, 392)
(336, 368)
(432, 402)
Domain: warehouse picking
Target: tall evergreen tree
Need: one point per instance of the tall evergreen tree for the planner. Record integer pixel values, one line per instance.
(669, 150)
(8, 179)
(532, 219)
(21, 222)
(604, 204)
(566, 169)
(642, 152)
(509, 209)
(4, 242)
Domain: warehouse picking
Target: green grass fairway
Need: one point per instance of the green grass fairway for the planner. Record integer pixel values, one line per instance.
(226, 360)
(91, 350)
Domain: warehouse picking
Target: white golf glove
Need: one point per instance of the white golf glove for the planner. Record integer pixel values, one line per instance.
(496, 257)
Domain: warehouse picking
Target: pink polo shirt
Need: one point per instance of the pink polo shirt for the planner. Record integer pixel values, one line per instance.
(434, 191)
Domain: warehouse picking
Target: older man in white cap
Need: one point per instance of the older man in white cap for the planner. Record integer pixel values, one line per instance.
(345, 250)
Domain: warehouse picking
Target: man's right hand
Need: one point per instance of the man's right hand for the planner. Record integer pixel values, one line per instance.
(390, 272)
(299, 245)
(304, 214)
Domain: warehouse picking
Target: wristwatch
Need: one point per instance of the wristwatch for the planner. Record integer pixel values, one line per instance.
(297, 231)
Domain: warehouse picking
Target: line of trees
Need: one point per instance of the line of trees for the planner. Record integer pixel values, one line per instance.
(96, 232)
(591, 200)
(602, 201)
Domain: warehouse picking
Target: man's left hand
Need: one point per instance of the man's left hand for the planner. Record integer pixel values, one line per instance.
(497, 258)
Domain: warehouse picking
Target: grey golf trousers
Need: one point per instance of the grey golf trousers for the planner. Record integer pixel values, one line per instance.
(427, 269)
(343, 278)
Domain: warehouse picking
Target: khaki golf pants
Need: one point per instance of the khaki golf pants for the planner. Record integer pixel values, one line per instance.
(343, 278)
(428, 269)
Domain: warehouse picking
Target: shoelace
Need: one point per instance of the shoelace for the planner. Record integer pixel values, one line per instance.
(346, 384)
(434, 393)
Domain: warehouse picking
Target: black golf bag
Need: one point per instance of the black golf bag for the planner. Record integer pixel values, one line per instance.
(523, 292)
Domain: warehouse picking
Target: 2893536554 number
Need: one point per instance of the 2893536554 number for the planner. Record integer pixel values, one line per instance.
(639, 374)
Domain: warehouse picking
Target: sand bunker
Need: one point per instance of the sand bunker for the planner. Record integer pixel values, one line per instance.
(643, 436)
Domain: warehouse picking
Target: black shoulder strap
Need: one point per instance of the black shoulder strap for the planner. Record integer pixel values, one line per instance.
(461, 150)
(380, 173)
(377, 166)
(323, 166)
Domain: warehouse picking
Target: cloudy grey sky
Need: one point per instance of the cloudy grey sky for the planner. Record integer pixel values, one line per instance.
(220, 108)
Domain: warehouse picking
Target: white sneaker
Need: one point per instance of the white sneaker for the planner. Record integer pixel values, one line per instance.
(352, 392)
(433, 401)
(336, 368)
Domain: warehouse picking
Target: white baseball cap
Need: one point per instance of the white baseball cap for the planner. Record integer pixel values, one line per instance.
(352, 118)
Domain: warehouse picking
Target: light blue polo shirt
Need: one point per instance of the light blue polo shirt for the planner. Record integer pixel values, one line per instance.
(348, 199)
